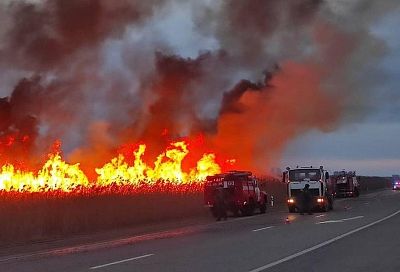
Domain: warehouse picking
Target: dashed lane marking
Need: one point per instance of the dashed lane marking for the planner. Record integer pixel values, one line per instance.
(121, 261)
(352, 218)
(340, 220)
(330, 241)
(269, 227)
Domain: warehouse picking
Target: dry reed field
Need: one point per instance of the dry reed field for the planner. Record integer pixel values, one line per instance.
(35, 216)
(28, 217)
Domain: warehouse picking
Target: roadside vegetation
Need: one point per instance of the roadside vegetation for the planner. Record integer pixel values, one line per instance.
(36, 216)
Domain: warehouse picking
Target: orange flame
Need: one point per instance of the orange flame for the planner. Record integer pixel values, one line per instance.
(56, 174)
(167, 167)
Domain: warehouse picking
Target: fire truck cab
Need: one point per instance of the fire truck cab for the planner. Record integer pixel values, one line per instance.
(346, 184)
(320, 188)
(241, 190)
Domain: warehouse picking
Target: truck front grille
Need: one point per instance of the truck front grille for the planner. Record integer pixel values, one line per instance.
(297, 192)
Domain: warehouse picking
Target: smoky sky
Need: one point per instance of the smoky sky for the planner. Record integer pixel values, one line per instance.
(252, 76)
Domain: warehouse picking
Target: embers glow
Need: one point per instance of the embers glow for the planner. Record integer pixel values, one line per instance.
(57, 175)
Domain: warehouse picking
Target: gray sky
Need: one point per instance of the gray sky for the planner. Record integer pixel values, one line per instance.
(370, 146)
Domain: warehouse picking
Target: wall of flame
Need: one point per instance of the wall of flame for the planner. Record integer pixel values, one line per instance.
(58, 175)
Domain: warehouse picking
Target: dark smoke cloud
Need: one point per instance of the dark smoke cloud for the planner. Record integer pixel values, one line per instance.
(103, 73)
(18, 121)
(43, 36)
(231, 99)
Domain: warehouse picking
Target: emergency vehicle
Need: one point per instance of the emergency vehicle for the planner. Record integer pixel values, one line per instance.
(321, 188)
(242, 193)
(346, 184)
(396, 182)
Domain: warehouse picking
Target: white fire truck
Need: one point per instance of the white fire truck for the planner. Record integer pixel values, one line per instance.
(321, 188)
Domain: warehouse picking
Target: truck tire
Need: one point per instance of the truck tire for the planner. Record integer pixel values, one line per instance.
(249, 208)
(213, 211)
(263, 207)
(235, 211)
(246, 211)
(356, 192)
(292, 209)
(325, 208)
(331, 204)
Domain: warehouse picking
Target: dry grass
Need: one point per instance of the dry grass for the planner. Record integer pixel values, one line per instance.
(374, 183)
(35, 216)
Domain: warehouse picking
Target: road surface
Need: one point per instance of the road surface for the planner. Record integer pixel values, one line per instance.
(361, 234)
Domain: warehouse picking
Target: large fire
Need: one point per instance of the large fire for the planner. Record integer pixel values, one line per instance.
(58, 175)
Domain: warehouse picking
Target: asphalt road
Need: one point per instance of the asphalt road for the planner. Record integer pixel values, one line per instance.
(361, 234)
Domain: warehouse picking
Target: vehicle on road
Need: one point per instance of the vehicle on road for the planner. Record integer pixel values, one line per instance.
(320, 188)
(242, 193)
(345, 184)
(396, 182)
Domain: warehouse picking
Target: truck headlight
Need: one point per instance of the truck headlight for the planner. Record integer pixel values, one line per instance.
(320, 200)
(290, 200)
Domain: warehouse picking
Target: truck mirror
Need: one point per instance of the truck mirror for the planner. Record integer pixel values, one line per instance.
(284, 177)
(326, 175)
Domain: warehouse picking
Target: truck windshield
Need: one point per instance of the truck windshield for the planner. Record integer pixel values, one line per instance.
(304, 174)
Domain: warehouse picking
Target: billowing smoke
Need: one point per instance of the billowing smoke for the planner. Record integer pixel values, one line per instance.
(249, 76)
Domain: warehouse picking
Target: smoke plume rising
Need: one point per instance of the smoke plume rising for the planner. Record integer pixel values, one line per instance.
(250, 76)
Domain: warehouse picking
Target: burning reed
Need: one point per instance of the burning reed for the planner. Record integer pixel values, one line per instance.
(58, 175)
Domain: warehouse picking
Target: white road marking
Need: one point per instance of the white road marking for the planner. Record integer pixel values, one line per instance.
(330, 241)
(329, 221)
(352, 218)
(340, 220)
(321, 215)
(112, 243)
(269, 227)
(122, 261)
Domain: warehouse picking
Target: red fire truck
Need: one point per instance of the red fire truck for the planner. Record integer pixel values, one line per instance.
(346, 184)
(242, 192)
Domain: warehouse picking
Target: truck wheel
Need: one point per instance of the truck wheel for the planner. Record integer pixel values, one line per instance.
(247, 210)
(330, 202)
(292, 209)
(263, 207)
(235, 211)
(251, 207)
(356, 192)
(213, 211)
(327, 207)
(250, 210)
